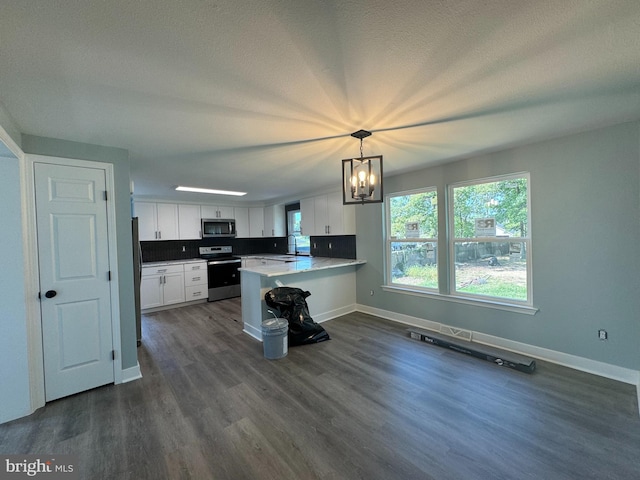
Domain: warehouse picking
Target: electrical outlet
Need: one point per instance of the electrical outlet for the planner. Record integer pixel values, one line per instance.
(602, 334)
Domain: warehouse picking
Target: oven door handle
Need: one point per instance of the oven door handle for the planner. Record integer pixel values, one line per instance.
(220, 262)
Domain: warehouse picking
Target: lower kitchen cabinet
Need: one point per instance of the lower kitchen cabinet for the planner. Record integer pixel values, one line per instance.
(162, 285)
(195, 281)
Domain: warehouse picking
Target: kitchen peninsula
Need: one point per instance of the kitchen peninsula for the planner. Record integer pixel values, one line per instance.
(331, 282)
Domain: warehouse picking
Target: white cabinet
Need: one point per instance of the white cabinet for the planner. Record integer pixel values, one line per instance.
(274, 221)
(162, 285)
(195, 281)
(189, 226)
(256, 222)
(157, 221)
(326, 215)
(341, 219)
(210, 211)
(260, 222)
(241, 214)
(307, 216)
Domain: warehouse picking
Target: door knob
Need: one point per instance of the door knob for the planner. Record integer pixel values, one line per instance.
(50, 294)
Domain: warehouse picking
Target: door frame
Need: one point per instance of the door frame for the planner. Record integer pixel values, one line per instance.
(32, 270)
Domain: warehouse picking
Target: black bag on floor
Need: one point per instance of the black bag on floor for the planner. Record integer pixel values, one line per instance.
(292, 305)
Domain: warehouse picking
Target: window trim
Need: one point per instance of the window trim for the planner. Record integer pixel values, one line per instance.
(452, 240)
(388, 281)
(446, 240)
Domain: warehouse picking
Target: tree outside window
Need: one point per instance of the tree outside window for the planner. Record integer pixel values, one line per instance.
(413, 239)
(488, 249)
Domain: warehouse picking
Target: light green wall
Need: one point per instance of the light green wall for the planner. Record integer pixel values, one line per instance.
(120, 160)
(14, 364)
(585, 210)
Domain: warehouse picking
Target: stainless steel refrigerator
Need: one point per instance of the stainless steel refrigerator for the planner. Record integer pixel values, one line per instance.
(137, 276)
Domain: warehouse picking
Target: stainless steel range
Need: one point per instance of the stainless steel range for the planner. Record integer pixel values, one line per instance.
(222, 272)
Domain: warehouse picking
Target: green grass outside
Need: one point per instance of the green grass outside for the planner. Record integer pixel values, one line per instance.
(427, 276)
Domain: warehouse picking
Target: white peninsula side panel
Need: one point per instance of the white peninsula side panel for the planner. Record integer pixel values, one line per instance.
(333, 293)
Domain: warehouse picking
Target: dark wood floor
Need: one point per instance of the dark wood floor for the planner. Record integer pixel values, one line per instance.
(369, 404)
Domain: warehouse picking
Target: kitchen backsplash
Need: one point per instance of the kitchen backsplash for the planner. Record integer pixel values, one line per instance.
(330, 246)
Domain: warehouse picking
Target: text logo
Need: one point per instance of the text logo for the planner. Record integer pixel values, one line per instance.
(51, 467)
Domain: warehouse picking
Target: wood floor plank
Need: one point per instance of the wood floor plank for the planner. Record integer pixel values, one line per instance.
(369, 404)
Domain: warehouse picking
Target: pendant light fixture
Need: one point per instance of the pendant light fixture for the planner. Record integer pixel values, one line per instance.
(362, 177)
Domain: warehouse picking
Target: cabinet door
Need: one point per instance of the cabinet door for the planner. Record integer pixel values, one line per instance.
(307, 216)
(214, 211)
(340, 218)
(256, 222)
(225, 212)
(151, 291)
(167, 221)
(189, 222)
(209, 211)
(147, 220)
(274, 221)
(241, 214)
(173, 288)
(321, 216)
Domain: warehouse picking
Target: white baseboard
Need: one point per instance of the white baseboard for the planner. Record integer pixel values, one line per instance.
(131, 374)
(614, 372)
(338, 312)
(252, 331)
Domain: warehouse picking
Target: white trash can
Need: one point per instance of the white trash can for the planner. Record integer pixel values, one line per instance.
(275, 338)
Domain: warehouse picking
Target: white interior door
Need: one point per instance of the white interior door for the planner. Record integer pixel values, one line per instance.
(71, 215)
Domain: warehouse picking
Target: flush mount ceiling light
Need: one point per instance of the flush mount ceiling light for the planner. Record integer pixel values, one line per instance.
(362, 177)
(209, 190)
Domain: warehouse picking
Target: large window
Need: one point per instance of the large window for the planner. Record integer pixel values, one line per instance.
(413, 239)
(490, 242)
(487, 245)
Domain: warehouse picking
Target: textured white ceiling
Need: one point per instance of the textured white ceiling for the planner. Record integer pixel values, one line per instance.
(262, 95)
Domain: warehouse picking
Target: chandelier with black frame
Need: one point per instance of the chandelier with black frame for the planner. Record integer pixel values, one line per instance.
(362, 177)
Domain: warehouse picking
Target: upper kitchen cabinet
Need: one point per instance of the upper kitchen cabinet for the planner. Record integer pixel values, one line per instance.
(241, 214)
(256, 222)
(209, 211)
(274, 221)
(326, 215)
(157, 221)
(307, 216)
(189, 222)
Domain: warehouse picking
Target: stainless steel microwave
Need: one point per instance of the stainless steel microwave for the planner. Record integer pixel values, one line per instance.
(218, 227)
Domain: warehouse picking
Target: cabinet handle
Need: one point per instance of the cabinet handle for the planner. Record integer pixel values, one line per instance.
(159, 235)
(197, 294)
(156, 234)
(195, 279)
(160, 279)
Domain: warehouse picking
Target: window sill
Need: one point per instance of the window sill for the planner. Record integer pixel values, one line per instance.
(510, 307)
